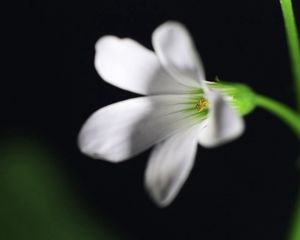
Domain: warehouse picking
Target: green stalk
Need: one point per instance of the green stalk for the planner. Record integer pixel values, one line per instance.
(286, 114)
(293, 44)
(294, 52)
(294, 231)
(292, 119)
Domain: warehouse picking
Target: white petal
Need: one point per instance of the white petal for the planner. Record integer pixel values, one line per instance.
(176, 51)
(130, 66)
(223, 123)
(124, 129)
(169, 166)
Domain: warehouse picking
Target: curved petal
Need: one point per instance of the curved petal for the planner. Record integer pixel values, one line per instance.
(176, 51)
(124, 129)
(223, 123)
(128, 65)
(169, 166)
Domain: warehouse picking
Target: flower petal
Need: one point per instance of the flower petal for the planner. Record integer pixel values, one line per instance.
(124, 129)
(130, 66)
(169, 166)
(223, 123)
(176, 51)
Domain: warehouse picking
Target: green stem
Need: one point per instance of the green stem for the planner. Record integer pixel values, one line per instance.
(292, 119)
(287, 115)
(294, 51)
(293, 44)
(294, 231)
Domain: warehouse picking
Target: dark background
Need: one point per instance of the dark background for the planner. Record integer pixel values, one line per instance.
(243, 190)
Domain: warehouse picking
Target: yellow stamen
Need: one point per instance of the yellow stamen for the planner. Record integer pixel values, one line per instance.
(202, 104)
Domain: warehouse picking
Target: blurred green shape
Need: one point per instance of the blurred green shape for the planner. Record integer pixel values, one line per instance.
(294, 52)
(283, 112)
(293, 44)
(294, 231)
(36, 202)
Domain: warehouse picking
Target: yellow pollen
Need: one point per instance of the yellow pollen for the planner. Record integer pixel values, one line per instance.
(201, 104)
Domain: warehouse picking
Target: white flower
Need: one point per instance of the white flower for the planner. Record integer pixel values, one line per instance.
(179, 111)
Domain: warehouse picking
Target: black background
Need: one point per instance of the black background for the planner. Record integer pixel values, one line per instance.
(244, 190)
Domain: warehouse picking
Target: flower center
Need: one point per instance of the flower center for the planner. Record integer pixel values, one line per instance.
(201, 104)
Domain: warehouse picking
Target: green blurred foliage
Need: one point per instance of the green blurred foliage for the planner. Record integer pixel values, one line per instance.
(36, 202)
